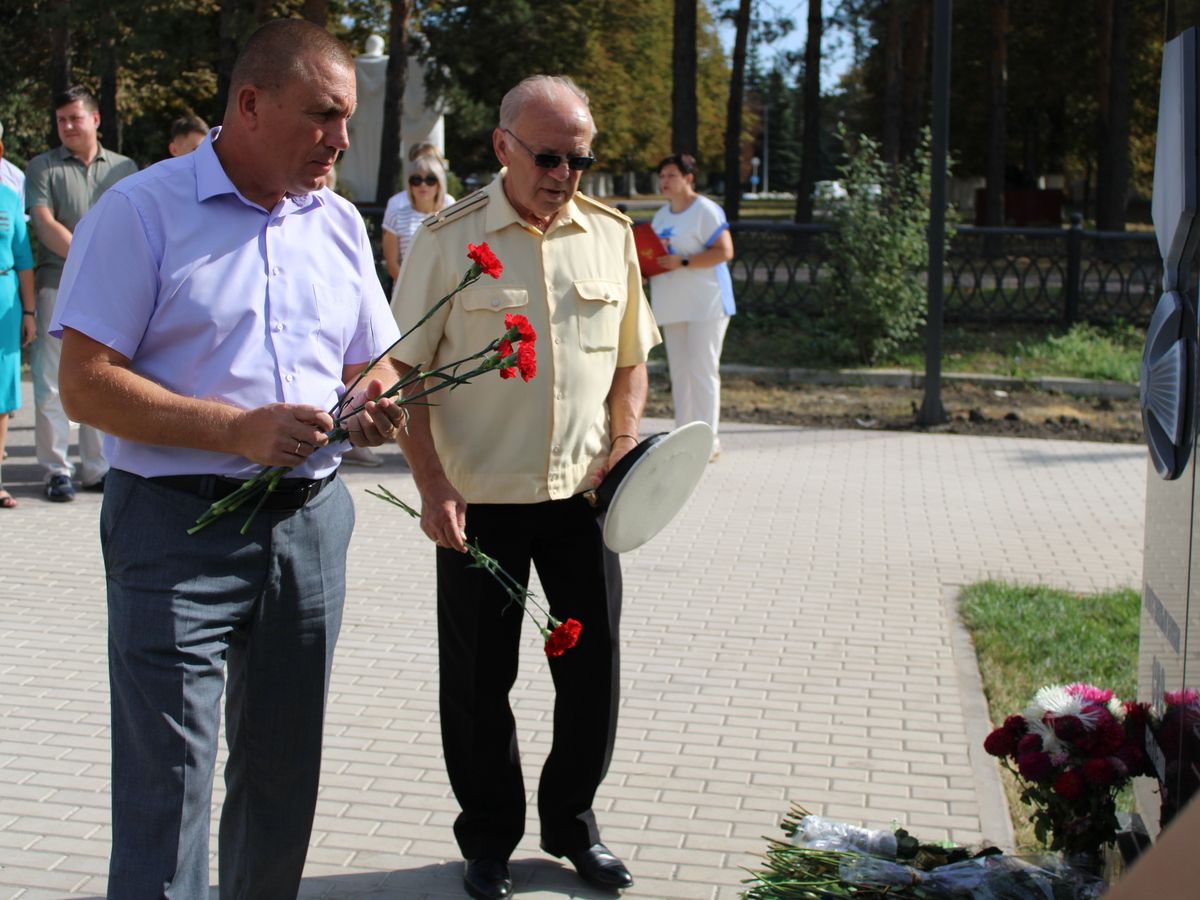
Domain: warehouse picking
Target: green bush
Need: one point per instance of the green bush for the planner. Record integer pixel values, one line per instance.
(876, 298)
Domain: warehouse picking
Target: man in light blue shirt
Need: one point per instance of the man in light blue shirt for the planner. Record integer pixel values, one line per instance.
(212, 308)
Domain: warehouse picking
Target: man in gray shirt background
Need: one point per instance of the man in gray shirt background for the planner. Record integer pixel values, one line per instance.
(60, 186)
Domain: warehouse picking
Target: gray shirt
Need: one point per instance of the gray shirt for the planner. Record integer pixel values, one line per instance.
(59, 181)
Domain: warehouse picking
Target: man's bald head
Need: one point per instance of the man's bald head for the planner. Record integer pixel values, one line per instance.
(280, 50)
(543, 90)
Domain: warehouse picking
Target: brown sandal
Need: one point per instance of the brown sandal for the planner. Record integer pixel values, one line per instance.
(6, 500)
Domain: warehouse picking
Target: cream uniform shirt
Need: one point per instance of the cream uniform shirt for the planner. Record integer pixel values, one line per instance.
(508, 441)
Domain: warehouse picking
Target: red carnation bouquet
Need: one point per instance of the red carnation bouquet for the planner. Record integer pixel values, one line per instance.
(1073, 749)
(498, 354)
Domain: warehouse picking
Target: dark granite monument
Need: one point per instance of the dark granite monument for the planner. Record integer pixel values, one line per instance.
(1169, 661)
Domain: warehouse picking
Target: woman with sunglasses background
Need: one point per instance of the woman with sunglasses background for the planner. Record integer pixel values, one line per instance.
(693, 300)
(423, 195)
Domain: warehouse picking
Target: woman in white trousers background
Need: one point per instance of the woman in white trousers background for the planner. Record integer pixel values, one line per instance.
(693, 299)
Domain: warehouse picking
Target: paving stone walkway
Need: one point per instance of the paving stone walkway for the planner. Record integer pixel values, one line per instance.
(790, 637)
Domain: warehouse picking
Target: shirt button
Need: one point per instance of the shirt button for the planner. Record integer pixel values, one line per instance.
(558, 340)
(607, 296)
(289, 378)
(495, 301)
(558, 448)
(274, 270)
(560, 395)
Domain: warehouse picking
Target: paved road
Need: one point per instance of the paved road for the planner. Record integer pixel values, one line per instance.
(790, 637)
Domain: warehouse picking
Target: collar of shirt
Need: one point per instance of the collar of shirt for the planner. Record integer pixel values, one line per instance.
(64, 153)
(501, 214)
(212, 181)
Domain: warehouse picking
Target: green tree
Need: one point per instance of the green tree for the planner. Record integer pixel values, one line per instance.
(875, 299)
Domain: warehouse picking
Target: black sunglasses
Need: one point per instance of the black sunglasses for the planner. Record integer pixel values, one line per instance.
(417, 180)
(553, 160)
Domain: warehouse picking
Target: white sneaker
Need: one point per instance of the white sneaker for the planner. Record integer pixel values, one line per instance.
(361, 456)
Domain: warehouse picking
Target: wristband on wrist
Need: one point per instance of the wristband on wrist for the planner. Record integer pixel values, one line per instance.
(29, 312)
(619, 436)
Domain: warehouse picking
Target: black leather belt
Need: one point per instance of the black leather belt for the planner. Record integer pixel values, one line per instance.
(292, 493)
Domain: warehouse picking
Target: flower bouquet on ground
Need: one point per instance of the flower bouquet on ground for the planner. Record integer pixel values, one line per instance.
(498, 354)
(1072, 750)
(822, 859)
(559, 636)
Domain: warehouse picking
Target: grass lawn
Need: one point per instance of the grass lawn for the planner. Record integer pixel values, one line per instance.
(1028, 637)
(1030, 351)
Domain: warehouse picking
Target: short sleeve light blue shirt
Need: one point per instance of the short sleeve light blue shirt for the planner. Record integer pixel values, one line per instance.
(210, 295)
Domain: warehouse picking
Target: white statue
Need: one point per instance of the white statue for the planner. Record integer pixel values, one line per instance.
(359, 167)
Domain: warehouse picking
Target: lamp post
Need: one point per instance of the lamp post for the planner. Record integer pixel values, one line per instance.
(755, 162)
(766, 148)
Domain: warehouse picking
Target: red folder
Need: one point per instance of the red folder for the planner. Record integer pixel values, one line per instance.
(649, 249)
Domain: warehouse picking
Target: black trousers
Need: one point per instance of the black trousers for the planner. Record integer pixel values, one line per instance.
(479, 635)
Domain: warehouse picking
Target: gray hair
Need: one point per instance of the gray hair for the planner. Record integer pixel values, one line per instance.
(546, 88)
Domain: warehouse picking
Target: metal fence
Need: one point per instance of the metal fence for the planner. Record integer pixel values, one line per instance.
(992, 275)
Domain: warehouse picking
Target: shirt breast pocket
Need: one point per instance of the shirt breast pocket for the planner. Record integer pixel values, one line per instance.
(600, 305)
(483, 309)
(335, 317)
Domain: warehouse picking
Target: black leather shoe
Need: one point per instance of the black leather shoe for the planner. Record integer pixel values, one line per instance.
(487, 879)
(599, 866)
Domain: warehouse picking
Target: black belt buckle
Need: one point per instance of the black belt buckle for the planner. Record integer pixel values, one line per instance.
(286, 497)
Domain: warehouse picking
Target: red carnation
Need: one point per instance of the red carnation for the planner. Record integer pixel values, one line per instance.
(1000, 742)
(1135, 760)
(483, 257)
(525, 331)
(1035, 766)
(563, 637)
(1030, 743)
(1067, 728)
(526, 360)
(1110, 736)
(1069, 785)
(1099, 772)
(1017, 725)
(1136, 714)
(503, 351)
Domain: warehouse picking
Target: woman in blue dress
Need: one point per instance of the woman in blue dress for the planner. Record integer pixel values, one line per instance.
(18, 324)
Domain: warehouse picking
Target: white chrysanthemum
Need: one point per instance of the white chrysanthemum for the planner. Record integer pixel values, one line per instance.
(1117, 708)
(1050, 741)
(1054, 699)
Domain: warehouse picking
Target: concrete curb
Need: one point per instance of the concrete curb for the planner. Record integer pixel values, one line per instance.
(994, 819)
(907, 378)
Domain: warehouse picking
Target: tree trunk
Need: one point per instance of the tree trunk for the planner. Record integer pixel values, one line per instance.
(317, 12)
(810, 159)
(993, 213)
(393, 102)
(893, 75)
(1112, 169)
(110, 118)
(227, 50)
(60, 60)
(916, 74)
(684, 126)
(733, 117)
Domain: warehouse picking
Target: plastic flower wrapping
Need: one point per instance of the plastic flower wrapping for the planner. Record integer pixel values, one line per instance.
(1073, 748)
(823, 858)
